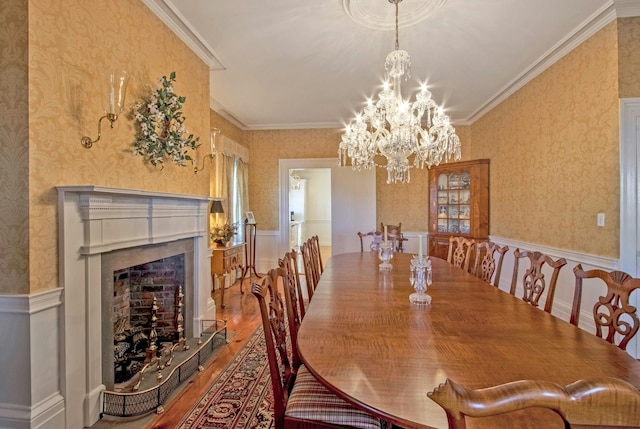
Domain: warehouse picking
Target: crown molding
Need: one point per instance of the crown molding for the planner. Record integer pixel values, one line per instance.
(168, 13)
(583, 32)
(627, 8)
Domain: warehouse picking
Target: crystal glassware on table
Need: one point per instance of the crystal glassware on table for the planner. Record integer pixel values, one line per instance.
(385, 254)
(420, 279)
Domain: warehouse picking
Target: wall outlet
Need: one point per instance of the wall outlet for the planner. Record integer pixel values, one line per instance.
(600, 219)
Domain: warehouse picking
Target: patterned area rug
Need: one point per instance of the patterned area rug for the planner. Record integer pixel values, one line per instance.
(241, 397)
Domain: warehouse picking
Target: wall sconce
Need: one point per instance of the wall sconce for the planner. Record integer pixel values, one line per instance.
(117, 91)
(214, 152)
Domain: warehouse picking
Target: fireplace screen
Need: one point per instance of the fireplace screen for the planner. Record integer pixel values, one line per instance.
(148, 315)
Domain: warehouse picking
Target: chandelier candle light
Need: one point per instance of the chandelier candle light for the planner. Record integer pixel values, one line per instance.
(392, 126)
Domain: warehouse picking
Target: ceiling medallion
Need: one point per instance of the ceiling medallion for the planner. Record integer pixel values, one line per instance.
(377, 15)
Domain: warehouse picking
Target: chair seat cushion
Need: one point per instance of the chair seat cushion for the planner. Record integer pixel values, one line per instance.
(310, 400)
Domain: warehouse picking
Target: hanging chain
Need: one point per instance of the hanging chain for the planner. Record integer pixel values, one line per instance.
(396, 3)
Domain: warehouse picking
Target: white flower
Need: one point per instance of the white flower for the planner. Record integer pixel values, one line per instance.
(155, 116)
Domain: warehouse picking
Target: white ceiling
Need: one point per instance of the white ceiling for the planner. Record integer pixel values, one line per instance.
(310, 64)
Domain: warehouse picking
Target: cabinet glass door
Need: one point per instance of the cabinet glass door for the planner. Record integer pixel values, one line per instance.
(454, 197)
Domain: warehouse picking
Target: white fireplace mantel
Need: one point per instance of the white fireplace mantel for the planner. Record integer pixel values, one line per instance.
(93, 221)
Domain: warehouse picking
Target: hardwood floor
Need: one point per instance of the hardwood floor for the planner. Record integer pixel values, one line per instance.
(243, 317)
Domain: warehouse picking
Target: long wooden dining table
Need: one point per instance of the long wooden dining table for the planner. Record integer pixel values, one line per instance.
(364, 340)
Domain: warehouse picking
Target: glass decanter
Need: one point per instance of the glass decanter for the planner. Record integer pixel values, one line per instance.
(420, 279)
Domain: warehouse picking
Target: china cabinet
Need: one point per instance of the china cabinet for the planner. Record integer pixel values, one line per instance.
(458, 203)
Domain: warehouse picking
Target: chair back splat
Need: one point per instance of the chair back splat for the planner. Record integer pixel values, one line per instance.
(394, 234)
(616, 320)
(597, 402)
(309, 271)
(533, 281)
(485, 265)
(290, 273)
(460, 250)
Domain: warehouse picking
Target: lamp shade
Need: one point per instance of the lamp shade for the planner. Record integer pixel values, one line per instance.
(216, 207)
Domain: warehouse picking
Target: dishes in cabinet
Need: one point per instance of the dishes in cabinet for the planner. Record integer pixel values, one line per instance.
(454, 228)
(465, 180)
(454, 181)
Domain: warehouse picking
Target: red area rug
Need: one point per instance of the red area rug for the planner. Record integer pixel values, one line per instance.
(241, 397)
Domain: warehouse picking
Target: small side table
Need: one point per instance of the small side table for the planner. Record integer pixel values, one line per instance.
(249, 252)
(224, 260)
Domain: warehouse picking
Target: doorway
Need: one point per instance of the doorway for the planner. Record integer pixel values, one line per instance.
(352, 203)
(310, 216)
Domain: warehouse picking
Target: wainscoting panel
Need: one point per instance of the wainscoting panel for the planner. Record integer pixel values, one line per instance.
(30, 361)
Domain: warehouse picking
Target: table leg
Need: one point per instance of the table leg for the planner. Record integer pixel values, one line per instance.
(221, 281)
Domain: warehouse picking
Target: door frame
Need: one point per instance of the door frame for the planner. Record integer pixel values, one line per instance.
(629, 210)
(284, 165)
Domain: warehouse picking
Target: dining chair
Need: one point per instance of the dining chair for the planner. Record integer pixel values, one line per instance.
(596, 402)
(309, 271)
(460, 250)
(394, 233)
(485, 264)
(300, 401)
(375, 243)
(533, 281)
(317, 255)
(291, 274)
(611, 313)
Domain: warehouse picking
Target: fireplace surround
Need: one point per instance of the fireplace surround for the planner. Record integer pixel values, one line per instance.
(99, 228)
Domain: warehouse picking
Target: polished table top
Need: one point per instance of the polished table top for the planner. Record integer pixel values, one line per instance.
(363, 339)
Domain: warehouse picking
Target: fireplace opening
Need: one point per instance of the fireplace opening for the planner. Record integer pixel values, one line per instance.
(148, 315)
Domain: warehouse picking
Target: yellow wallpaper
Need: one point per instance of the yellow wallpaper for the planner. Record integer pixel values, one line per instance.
(629, 57)
(394, 203)
(14, 148)
(71, 43)
(267, 147)
(227, 129)
(553, 148)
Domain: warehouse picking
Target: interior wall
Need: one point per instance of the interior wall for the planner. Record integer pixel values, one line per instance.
(629, 57)
(554, 153)
(14, 148)
(317, 204)
(407, 203)
(72, 43)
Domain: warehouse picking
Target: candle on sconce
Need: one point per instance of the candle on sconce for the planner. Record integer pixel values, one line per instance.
(385, 233)
(214, 133)
(419, 246)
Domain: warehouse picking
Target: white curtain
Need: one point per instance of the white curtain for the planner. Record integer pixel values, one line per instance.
(242, 191)
(227, 185)
(234, 183)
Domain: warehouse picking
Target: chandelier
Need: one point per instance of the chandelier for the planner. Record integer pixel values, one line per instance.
(392, 127)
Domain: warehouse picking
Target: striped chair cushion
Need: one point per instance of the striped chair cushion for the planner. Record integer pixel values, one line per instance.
(310, 400)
